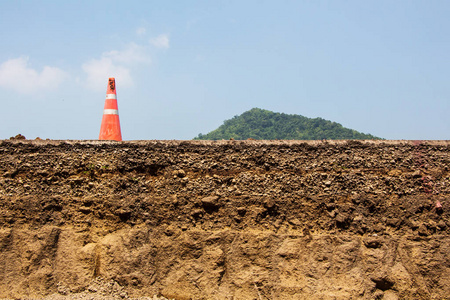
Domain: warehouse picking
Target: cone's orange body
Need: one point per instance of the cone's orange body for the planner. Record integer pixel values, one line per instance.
(110, 129)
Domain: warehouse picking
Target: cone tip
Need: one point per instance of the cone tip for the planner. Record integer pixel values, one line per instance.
(111, 86)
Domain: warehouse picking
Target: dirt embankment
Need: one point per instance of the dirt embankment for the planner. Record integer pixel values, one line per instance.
(226, 220)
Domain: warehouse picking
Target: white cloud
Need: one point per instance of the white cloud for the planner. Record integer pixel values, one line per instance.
(116, 64)
(15, 74)
(133, 53)
(161, 41)
(99, 70)
(141, 31)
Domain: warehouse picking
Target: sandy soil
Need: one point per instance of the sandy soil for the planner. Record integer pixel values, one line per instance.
(224, 219)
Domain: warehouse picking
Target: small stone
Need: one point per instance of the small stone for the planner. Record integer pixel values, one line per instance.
(413, 224)
(358, 218)
(169, 231)
(85, 210)
(431, 225)
(423, 231)
(393, 222)
(92, 289)
(179, 173)
(18, 137)
(269, 203)
(197, 213)
(378, 227)
(63, 290)
(123, 294)
(343, 220)
(330, 206)
(295, 222)
(438, 207)
(332, 213)
(441, 225)
(373, 242)
(378, 294)
(241, 211)
(210, 202)
(417, 174)
(390, 295)
(184, 181)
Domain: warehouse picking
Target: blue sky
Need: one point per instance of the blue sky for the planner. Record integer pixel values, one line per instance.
(183, 67)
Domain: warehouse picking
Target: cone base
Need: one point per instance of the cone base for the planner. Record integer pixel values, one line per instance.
(110, 129)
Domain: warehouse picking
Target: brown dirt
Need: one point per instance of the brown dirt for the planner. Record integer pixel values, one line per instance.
(225, 220)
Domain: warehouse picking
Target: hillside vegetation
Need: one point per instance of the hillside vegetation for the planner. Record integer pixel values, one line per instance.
(261, 124)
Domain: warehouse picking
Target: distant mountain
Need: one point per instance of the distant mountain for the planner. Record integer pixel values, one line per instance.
(261, 124)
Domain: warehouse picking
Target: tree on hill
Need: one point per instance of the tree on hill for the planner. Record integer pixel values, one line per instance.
(261, 124)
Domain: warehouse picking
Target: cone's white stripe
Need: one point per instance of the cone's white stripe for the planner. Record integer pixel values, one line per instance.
(111, 96)
(110, 112)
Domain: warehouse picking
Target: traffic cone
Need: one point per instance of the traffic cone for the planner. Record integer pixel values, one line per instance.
(110, 129)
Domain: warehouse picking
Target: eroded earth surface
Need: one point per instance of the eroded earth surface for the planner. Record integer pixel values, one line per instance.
(224, 220)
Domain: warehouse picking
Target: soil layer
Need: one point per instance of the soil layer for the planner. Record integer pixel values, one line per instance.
(226, 219)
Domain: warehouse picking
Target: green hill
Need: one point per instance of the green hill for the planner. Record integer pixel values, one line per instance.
(261, 124)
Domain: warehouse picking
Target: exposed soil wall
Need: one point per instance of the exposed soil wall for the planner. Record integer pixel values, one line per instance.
(226, 219)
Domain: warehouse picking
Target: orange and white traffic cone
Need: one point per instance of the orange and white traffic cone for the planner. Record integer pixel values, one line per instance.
(110, 129)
